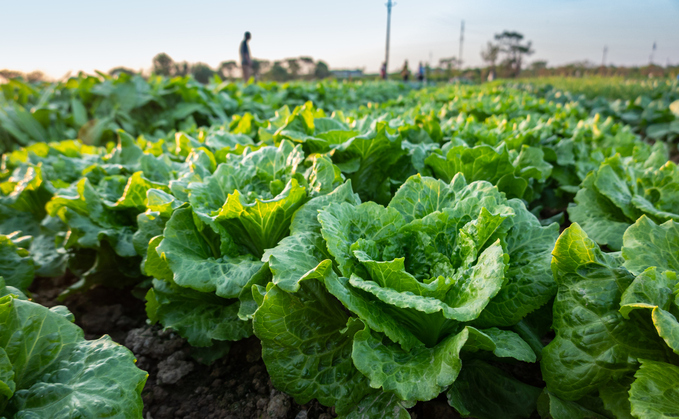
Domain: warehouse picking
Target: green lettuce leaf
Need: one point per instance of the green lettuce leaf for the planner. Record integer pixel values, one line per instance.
(199, 317)
(58, 373)
(594, 343)
(307, 345)
(654, 393)
(192, 251)
(16, 265)
(619, 192)
(486, 392)
(388, 366)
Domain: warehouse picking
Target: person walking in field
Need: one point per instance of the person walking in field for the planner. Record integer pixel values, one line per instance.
(420, 73)
(245, 59)
(383, 71)
(405, 72)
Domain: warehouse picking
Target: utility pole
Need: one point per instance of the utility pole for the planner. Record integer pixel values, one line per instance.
(603, 61)
(461, 41)
(386, 56)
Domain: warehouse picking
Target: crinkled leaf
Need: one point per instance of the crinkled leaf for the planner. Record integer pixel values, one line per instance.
(594, 344)
(201, 318)
(194, 256)
(486, 392)
(306, 346)
(58, 373)
(655, 392)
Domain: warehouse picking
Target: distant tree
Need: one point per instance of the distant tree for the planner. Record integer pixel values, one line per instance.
(322, 70)
(490, 54)
(260, 67)
(226, 68)
(293, 67)
(181, 69)
(511, 45)
(538, 65)
(538, 68)
(163, 65)
(11, 74)
(201, 72)
(278, 72)
(35, 76)
(307, 67)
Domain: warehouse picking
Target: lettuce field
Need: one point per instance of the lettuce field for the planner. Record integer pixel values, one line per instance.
(354, 250)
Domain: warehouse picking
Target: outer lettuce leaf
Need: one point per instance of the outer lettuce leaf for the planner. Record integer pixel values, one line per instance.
(26, 191)
(620, 191)
(201, 318)
(16, 265)
(368, 159)
(58, 373)
(486, 392)
(517, 176)
(381, 404)
(529, 280)
(92, 217)
(653, 290)
(655, 392)
(647, 244)
(393, 369)
(47, 248)
(594, 344)
(8, 289)
(552, 407)
(650, 252)
(192, 251)
(307, 345)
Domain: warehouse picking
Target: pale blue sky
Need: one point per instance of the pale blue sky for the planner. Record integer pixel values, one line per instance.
(71, 35)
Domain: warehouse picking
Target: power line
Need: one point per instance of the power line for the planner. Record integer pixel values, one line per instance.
(389, 5)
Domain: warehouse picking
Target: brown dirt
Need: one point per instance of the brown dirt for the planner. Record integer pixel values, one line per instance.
(234, 387)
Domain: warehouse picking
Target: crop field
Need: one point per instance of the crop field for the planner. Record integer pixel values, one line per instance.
(171, 249)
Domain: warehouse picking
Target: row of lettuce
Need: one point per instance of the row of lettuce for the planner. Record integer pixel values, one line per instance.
(93, 108)
(382, 257)
(651, 107)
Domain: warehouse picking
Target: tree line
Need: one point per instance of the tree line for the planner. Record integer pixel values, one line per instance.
(505, 57)
(300, 68)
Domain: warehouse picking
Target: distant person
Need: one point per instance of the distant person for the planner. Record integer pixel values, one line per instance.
(405, 72)
(383, 71)
(245, 58)
(420, 72)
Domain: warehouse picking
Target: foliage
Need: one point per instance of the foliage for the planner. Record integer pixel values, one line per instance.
(434, 273)
(624, 303)
(47, 368)
(93, 108)
(387, 245)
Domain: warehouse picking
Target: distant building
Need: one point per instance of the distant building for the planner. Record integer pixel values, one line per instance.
(347, 74)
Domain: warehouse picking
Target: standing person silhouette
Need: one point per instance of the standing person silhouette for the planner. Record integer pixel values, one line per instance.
(245, 59)
(420, 73)
(405, 72)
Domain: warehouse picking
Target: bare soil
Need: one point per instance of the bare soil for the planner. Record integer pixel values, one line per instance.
(236, 386)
